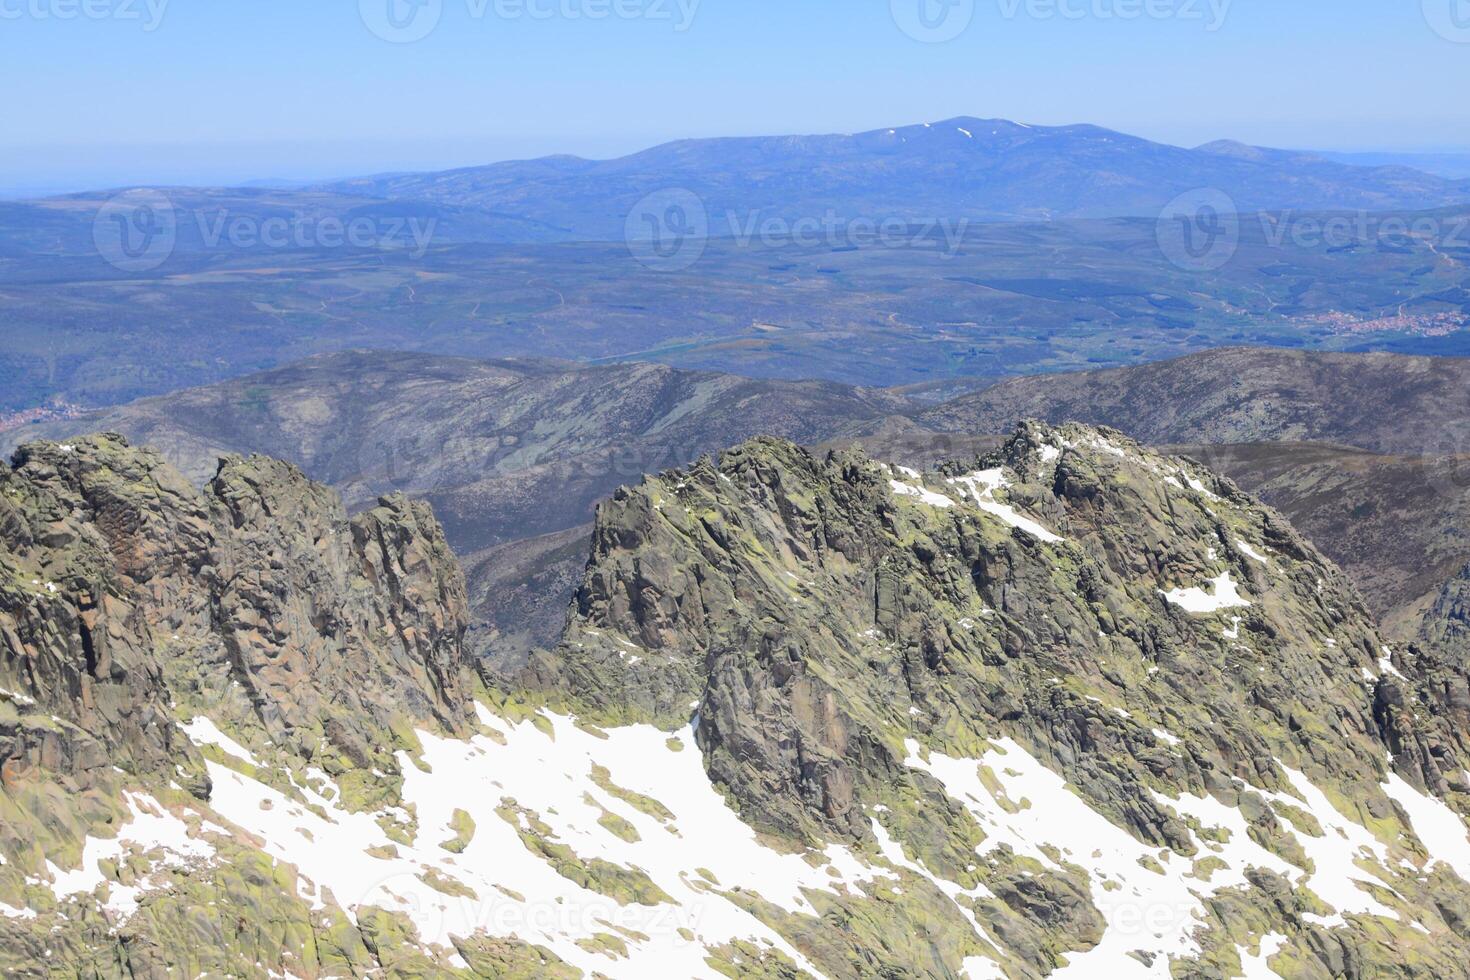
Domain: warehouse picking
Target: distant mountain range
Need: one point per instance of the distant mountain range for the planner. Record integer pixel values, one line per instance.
(981, 169)
(1455, 166)
(495, 262)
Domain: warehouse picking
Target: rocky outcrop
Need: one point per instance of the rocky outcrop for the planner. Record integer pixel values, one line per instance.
(1072, 704)
(1439, 677)
(1134, 622)
(140, 620)
(130, 600)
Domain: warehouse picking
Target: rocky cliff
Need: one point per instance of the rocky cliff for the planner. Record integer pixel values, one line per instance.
(135, 609)
(1072, 708)
(844, 633)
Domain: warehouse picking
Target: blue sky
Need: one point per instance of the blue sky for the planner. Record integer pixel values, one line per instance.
(223, 90)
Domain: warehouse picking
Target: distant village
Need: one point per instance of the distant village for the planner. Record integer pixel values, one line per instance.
(1419, 324)
(32, 416)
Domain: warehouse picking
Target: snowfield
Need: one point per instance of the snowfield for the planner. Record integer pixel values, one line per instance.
(517, 893)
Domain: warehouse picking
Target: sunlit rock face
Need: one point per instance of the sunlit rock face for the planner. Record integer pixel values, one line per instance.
(1074, 708)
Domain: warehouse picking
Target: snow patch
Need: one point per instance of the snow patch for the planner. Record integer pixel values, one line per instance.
(517, 892)
(1198, 601)
(151, 828)
(202, 731)
(1441, 830)
(981, 487)
(1143, 910)
(1254, 967)
(1245, 549)
(922, 495)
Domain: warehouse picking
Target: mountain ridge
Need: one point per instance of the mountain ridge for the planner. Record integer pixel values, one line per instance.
(980, 169)
(811, 716)
(709, 582)
(499, 501)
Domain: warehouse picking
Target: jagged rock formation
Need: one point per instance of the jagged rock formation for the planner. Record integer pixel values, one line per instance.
(1139, 626)
(131, 602)
(1448, 623)
(1442, 661)
(1076, 708)
(122, 578)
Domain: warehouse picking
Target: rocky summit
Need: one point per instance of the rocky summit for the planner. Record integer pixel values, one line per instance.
(1073, 708)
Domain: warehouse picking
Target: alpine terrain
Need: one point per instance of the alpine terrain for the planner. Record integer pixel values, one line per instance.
(1072, 708)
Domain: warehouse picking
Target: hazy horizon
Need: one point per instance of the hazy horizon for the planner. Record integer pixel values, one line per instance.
(51, 170)
(116, 92)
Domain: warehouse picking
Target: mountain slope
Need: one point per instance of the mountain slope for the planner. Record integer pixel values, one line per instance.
(515, 451)
(981, 169)
(502, 449)
(1364, 452)
(1380, 402)
(142, 619)
(1079, 709)
(1397, 524)
(896, 660)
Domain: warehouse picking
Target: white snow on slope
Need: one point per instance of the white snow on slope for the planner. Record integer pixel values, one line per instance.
(981, 487)
(1101, 444)
(1226, 595)
(920, 493)
(552, 778)
(150, 828)
(1158, 913)
(979, 968)
(1194, 483)
(893, 851)
(1337, 879)
(1254, 967)
(202, 731)
(1250, 552)
(1144, 911)
(1438, 827)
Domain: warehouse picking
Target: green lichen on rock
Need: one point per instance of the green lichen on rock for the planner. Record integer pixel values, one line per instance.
(627, 886)
(611, 822)
(463, 826)
(605, 944)
(828, 616)
(643, 804)
(827, 626)
(130, 602)
(742, 960)
(873, 931)
(513, 959)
